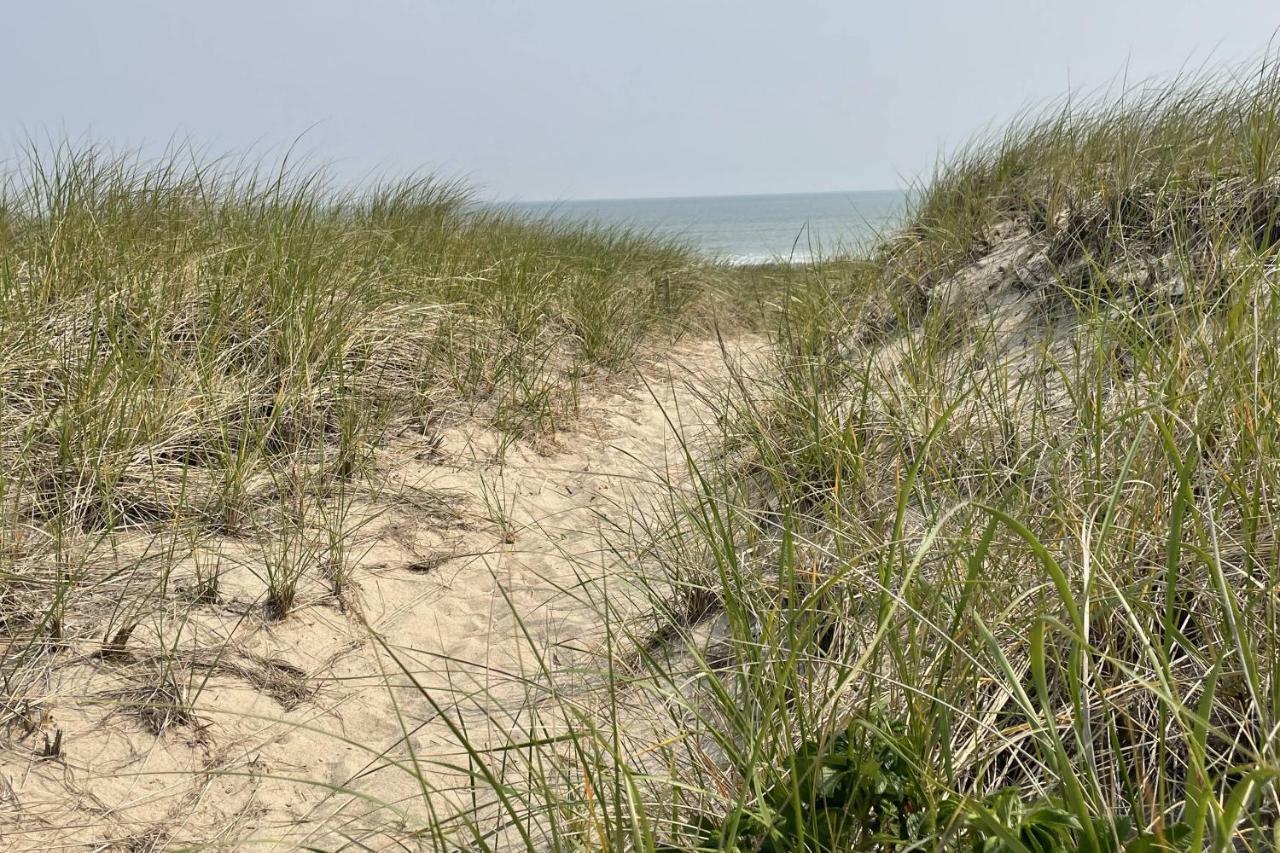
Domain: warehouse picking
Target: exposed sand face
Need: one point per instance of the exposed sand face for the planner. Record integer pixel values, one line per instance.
(471, 580)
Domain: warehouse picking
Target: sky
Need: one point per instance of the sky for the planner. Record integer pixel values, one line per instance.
(561, 99)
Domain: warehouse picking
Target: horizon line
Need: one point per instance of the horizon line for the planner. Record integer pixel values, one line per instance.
(690, 197)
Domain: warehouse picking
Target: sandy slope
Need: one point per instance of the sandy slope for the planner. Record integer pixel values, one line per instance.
(472, 578)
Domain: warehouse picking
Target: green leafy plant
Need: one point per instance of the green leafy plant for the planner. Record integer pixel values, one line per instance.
(861, 789)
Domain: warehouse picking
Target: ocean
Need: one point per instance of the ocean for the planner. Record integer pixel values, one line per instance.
(744, 229)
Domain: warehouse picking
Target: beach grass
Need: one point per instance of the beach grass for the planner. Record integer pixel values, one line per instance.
(202, 356)
(996, 559)
(182, 336)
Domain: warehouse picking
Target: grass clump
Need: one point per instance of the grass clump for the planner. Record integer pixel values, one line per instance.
(1014, 493)
(182, 335)
(200, 361)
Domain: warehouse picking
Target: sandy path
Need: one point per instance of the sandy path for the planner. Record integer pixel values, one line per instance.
(472, 579)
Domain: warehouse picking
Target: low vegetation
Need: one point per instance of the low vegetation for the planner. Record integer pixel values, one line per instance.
(195, 353)
(995, 560)
(186, 343)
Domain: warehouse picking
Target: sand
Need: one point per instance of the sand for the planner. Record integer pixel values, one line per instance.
(476, 584)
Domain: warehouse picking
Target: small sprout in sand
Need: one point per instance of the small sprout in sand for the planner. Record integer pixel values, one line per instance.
(51, 748)
(115, 646)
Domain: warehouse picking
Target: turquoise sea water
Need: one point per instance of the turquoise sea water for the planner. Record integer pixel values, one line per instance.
(746, 228)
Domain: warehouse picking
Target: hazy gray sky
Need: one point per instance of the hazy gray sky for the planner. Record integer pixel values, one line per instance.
(589, 98)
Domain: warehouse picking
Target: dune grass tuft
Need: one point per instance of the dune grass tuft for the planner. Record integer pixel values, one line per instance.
(997, 560)
(200, 359)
